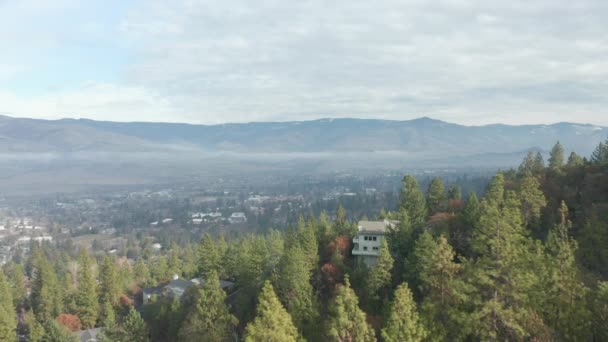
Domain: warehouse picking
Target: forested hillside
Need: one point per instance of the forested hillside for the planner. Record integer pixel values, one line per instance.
(525, 261)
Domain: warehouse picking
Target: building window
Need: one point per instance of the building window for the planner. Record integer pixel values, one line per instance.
(374, 238)
(364, 248)
(375, 248)
(365, 238)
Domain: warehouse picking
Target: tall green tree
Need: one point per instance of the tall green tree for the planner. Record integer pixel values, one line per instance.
(566, 310)
(8, 321)
(600, 312)
(35, 330)
(539, 164)
(556, 157)
(532, 199)
(86, 298)
(412, 201)
(574, 160)
(16, 280)
(435, 196)
(454, 192)
(108, 282)
(272, 322)
(209, 255)
(296, 292)
(346, 320)
(404, 324)
(600, 154)
(209, 316)
(502, 277)
(46, 294)
(174, 263)
(445, 294)
(134, 328)
(379, 279)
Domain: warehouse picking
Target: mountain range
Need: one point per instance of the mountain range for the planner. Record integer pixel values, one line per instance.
(73, 154)
(419, 137)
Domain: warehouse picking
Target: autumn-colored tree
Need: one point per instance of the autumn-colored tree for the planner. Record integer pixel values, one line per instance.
(72, 322)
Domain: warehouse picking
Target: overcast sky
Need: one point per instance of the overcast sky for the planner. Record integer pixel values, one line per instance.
(469, 62)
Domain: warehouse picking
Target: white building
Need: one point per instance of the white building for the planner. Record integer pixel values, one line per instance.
(237, 218)
(369, 238)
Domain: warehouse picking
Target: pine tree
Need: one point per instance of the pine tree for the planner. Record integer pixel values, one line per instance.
(110, 331)
(600, 154)
(454, 192)
(502, 277)
(174, 264)
(209, 256)
(272, 322)
(420, 261)
(574, 160)
(527, 166)
(567, 308)
(276, 249)
(8, 322)
(46, 295)
(346, 320)
(472, 211)
(308, 242)
(134, 328)
(403, 324)
(17, 283)
(600, 312)
(108, 282)
(539, 164)
(412, 200)
(532, 199)
(209, 316)
(86, 297)
(340, 218)
(296, 292)
(444, 293)
(556, 157)
(379, 279)
(35, 330)
(435, 196)
(55, 332)
(141, 273)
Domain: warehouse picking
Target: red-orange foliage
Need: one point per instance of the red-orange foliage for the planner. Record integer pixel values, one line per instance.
(439, 218)
(456, 204)
(71, 322)
(340, 243)
(125, 301)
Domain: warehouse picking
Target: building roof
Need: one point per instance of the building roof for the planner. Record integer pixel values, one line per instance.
(377, 227)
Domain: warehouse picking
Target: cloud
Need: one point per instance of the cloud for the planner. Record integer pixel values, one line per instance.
(469, 62)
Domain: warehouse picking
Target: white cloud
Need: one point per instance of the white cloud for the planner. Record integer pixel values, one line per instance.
(466, 61)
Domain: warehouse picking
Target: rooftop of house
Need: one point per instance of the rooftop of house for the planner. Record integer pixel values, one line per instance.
(378, 227)
(89, 335)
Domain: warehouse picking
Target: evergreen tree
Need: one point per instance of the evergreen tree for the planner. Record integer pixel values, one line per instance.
(340, 218)
(141, 273)
(108, 282)
(435, 196)
(403, 324)
(209, 316)
(86, 297)
(276, 249)
(159, 270)
(454, 192)
(412, 201)
(17, 283)
(55, 332)
(472, 211)
(8, 322)
(527, 166)
(539, 164)
(574, 160)
(556, 157)
(46, 295)
(444, 293)
(134, 328)
(379, 280)
(110, 331)
(346, 320)
(272, 322)
(296, 292)
(308, 242)
(502, 277)
(174, 263)
(419, 261)
(532, 199)
(600, 154)
(567, 309)
(35, 330)
(600, 312)
(209, 256)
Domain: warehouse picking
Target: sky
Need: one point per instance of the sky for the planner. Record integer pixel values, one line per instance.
(197, 61)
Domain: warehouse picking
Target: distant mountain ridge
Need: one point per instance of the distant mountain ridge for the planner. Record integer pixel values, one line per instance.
(423, 137)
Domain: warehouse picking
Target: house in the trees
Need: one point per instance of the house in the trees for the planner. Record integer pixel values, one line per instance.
(369, 238)
(176, 288)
